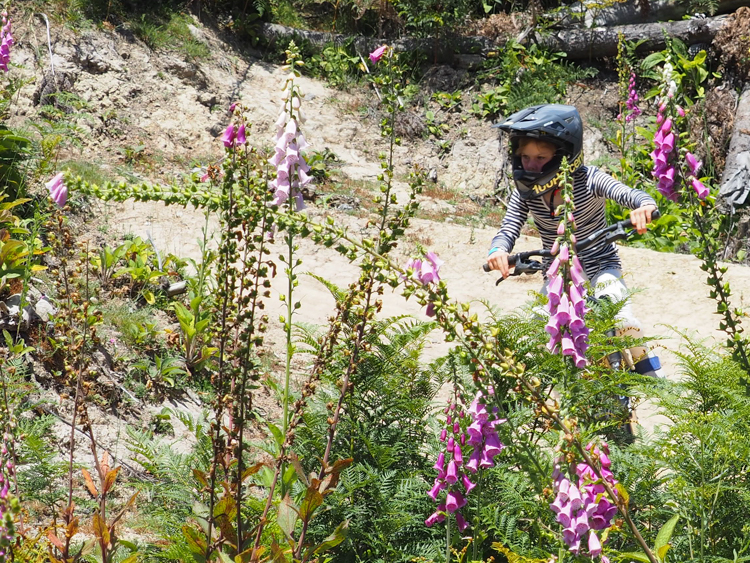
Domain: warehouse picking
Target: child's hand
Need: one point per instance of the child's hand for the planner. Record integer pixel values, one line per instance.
(641, 217)
(498, 260)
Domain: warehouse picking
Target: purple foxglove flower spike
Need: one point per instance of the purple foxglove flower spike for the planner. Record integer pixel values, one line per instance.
(458, 455)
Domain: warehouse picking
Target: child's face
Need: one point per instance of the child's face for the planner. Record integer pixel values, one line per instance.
(535, 155)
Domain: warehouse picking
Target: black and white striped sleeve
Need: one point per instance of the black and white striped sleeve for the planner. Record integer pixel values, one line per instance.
(607, 187)
(510, 229)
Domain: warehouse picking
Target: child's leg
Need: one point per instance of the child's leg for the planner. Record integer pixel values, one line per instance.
(609, 283)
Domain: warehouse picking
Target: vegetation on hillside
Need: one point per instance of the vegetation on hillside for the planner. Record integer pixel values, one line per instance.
(527, 461)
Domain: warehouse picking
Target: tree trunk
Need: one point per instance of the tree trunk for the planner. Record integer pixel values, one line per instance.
(601, 42)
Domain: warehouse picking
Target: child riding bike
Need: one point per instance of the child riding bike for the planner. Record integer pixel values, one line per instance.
(540, 137)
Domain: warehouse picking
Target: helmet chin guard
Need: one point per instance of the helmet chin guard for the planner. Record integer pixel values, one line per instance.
(556, 124)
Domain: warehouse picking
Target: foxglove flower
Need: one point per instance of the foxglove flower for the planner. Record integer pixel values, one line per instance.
(58, 191)
(427, 272)
(378, 53)
(229, 136)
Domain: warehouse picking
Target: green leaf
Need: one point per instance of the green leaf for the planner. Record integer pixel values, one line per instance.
(287, 516)
(637, 556)
(338, 535)
(665, 534)
(652, 60)
(622, 492)
(313, 499)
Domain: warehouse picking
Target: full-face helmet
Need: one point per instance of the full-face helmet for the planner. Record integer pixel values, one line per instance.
(559, 125)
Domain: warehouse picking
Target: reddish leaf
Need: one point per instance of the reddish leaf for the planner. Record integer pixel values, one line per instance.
(89, 483)
(55, 540)
(109, 480)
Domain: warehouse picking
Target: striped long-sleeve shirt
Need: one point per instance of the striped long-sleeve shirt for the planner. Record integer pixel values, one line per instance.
(591, 189)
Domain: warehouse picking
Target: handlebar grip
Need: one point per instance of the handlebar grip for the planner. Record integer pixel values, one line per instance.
(486, 267)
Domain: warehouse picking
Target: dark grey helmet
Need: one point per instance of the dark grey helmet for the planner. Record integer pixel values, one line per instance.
(556, 124)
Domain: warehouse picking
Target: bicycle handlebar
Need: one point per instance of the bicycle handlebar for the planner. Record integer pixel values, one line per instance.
(608, 234)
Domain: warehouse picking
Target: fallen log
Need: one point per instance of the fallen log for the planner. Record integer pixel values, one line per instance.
(630, 12)
(735, 181)
(601, 42)
(579, 44)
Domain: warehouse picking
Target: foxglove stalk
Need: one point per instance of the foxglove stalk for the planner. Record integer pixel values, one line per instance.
(8, 503)
(631, 104)
(453, 478)
(566, 307)
(6, 42)
(669, 171)
(292, 170)
(584, 508)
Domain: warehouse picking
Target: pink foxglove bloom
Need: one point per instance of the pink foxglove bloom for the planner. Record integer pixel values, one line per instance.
(694, 164)
(427, 272)
(378, 53)
(241, 139)
(454, 500)
(58, 191)
(699, 188)
(7, 472)
(461, 522)
(229, 136)
(435, 517)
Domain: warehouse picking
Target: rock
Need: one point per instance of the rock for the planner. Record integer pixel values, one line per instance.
(45, 309)
(207, 99)
(96, 56)
(432, 175)
(187, 72)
